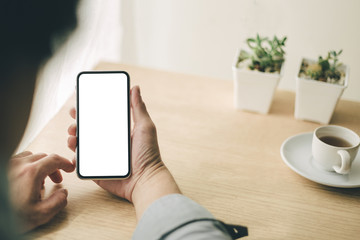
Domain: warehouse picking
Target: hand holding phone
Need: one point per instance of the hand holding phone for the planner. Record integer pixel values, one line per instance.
(150, 179)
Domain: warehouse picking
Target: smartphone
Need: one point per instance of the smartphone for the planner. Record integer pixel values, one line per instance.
(103, 125)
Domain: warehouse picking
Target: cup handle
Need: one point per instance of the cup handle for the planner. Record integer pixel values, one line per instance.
(345, 162)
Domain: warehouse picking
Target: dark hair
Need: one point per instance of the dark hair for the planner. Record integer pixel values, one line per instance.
(29, 26)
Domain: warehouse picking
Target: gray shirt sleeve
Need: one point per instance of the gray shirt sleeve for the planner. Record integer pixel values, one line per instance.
(175, 217)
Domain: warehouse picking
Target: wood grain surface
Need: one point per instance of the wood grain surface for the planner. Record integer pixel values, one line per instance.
(227, 160)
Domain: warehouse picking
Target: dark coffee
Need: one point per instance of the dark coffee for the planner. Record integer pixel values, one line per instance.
(335, 141)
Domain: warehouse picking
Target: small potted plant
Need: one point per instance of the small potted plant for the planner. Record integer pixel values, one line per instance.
(257, 72)
(319, 85)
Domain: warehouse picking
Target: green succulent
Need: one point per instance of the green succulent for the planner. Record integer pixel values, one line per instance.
(325, 69)
(266, 55)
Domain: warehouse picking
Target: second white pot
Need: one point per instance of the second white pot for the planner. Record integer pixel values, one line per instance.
(316, 101)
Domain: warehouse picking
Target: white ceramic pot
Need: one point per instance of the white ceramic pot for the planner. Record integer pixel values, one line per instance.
(315, 100)
(254, 90)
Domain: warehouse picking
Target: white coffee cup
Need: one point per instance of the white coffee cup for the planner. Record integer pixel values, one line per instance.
(334, 148)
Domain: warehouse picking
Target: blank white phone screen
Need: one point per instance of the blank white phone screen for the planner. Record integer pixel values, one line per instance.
(103, 125)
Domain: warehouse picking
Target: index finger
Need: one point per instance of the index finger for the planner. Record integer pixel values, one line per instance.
(22, 154)
(73, 112)
(52, 163)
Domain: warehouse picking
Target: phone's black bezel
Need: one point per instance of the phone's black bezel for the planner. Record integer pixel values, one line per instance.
(78, 126)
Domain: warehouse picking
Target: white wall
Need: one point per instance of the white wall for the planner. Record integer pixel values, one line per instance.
(201, 36)
(98, 37)
(197, 37)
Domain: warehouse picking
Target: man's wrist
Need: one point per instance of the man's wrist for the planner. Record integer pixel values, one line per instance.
(153, 185)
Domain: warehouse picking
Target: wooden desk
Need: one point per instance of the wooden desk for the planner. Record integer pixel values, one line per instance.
(226, 160)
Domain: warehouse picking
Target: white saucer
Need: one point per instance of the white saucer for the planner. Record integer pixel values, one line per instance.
(296, 153)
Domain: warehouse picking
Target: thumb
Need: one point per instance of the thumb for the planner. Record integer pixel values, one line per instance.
(138, 106)
(53, 204)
